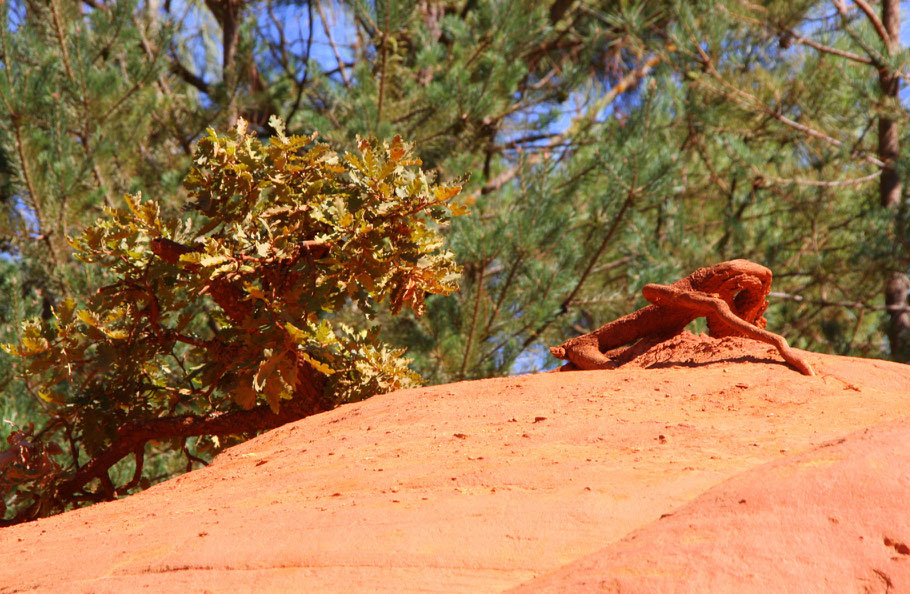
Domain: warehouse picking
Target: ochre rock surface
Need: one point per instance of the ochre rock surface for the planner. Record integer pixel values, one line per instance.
(703, 466)
(834, 519)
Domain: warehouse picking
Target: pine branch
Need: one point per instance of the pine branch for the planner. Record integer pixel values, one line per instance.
(164, 86)
(189, 77)
(227, 15)
(825, 48)
(733, 91)
(821, 184)
(96, 172)
(762, 179)
(506, 286)
(794, 37)
(306, 61)
(33, 200)
(282, 56)
(382, 67)
(575, 126)
(631, 195)
(61, 41)
(877, 23)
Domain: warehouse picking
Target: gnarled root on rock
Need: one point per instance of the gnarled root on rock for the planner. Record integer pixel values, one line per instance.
(731, 295)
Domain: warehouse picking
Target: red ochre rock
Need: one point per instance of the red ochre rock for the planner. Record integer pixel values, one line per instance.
(730, 295)
(547, 480)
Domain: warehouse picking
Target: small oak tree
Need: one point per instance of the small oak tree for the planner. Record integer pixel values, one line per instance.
(229, 321)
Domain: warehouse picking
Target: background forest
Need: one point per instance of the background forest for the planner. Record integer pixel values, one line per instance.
(609, 144)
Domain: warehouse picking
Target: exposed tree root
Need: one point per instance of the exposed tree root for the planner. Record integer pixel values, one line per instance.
(731, 295)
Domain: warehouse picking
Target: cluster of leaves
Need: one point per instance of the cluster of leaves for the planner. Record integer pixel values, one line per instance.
(236, 304)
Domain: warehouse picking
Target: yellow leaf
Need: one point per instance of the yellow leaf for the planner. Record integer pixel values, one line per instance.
(458, 209)
(316, 364)
(254, 291)
(278, 126)
(12, 349)
(324, 333)
(297, 335)
(191, 257)
(272, 398)
(241, 127)
(397, 149)
(51, 397)
(133, 201)
(212, 260)
(64, 312)
(34, 346)
(88, 318)
(116, 334)
(287, 371)
(444, 193)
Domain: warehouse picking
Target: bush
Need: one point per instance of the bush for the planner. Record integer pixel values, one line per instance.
(227, 322)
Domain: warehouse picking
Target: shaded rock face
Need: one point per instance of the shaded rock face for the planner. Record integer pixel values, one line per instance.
(703, 466)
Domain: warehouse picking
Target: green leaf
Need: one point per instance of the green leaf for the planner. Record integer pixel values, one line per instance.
(324, 333)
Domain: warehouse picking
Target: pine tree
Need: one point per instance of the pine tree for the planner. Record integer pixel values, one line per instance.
(534, 98)
(84, 119)
(793, 117)
(519, 95)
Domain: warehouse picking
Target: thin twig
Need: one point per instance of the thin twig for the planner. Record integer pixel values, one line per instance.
(846, 304)
(824, 184)
(328, 34)
(467, 348)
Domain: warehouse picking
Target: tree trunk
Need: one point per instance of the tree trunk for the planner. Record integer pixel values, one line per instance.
(227, 13)
(890, 187)
(896, 287)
